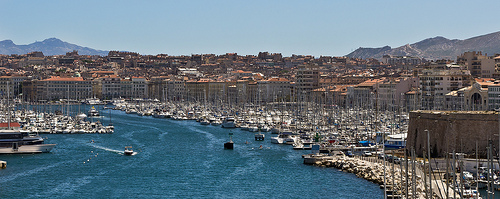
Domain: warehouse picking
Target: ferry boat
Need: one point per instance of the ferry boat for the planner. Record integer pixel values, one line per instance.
(17, 142)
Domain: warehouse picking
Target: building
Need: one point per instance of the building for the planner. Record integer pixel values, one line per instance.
(134, 87)
(175, 89)
(110, 87)
(478, 64)
(273, 89)
(362, 95)
(6, 87)
(494, 96)
(391, 92)
(449, 131)
(306, 80)
(400, 60)
(55, 88)
(435, 83)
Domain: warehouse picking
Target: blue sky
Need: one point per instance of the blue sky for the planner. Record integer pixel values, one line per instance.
(187, 27)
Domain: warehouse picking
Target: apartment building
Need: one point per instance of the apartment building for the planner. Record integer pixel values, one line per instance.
(436, 83)
(55, 88)
(391, 92)
(273, 89)
(478, 64)
(306, 80)
(494, 96)
(363, 95)
(134, 87)
(175, 88)
(400, 60)
(110, 86)
(6, 87)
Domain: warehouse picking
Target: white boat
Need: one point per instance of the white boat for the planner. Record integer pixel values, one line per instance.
(291, 139)
(204, 122)
(93, 112)
(229, 123)
(128, 150)
(280, 139)
(81, 116)
(216, 123)
(253, 129)
(244, 127)
(16, 142)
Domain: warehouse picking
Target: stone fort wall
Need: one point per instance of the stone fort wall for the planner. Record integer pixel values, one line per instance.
(453, 131)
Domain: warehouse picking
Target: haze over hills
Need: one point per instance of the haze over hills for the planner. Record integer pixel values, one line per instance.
(435, 48)
(51, 46)
(431, 48)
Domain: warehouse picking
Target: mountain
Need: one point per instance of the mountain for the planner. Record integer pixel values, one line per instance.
(51, 46)
(435, 48)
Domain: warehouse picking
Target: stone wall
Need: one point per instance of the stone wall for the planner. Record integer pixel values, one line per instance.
(453, 130)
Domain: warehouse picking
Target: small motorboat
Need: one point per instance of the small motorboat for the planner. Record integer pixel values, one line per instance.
(128, 150)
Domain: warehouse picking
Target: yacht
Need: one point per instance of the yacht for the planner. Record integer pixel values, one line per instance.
(280, 139)
(17, 142)
(204, 122)
(229, 123)
(93, 112)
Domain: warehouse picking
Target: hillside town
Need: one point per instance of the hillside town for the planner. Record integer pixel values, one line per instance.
(396, 82)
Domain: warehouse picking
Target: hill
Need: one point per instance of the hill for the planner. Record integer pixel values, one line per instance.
(51, 46)
(435, 48)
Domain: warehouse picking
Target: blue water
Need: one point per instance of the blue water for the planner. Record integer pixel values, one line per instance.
(175, 159)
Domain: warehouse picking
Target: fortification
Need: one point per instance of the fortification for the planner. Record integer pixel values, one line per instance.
(453, 130)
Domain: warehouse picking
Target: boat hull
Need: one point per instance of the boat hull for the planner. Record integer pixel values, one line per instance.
(24, 149)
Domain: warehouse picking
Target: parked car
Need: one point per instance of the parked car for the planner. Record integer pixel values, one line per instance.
(349, 153)
(467, 175)
(367, 153)
(396, 160)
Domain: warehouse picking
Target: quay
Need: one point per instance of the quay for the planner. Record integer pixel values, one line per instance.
(396, 175)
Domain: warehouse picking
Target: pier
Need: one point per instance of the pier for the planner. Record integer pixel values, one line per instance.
(404, 180)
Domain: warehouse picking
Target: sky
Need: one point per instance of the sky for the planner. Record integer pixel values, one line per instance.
(185, 27)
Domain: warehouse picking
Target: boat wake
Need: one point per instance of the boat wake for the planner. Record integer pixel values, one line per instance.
(213, 141)
(68, 188)
(28, 173)
(162, 135)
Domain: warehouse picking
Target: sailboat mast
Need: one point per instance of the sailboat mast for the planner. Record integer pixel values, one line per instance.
(8, 106)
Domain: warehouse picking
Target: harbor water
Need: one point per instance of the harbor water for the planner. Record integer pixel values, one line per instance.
(175, 159)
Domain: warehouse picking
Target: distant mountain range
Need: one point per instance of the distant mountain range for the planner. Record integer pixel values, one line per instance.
(435, 48)
(51, 46)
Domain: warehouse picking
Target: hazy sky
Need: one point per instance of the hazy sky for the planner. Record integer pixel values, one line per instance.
(187, 27)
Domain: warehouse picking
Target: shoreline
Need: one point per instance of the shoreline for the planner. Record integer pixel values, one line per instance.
(371, 169)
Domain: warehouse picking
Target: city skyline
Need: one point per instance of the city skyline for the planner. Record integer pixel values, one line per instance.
(197, 27)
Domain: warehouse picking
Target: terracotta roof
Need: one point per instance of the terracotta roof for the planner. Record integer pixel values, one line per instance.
(102, 71)
(58, 78)
(369, 83)
(12, 124)
(277, 79)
